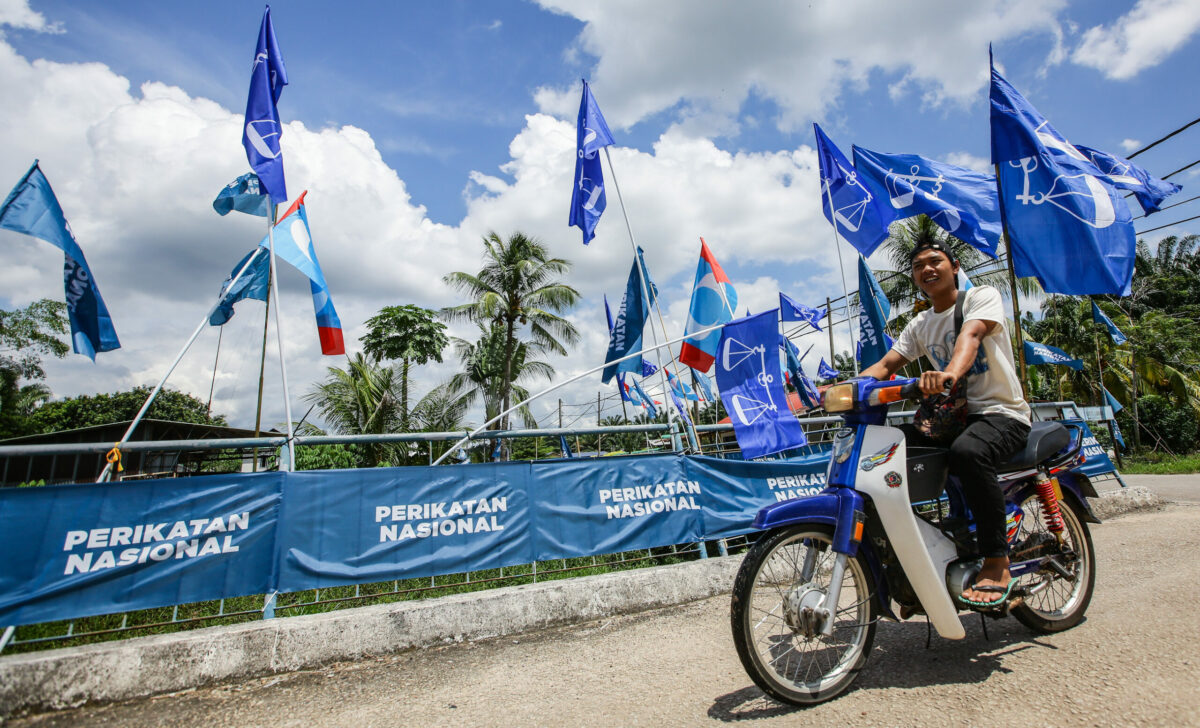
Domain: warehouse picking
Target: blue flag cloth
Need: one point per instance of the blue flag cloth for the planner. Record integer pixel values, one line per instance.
(566, 449)
(252, 283)
(32, 208)
(623, 388)
(1098, 316)
(790, 310)
(1117, 433)
(1045, 354)
(587, 197)
(1112, 401)
(705, 385)
(647, 402)
(681, 408)
(794, 370)
(857, 214)
(261, 134)
(751, 389)
(874, 309)
(714, 300)
(244, 194)
(1149, 190)
(1067, 226)
(626, 335)
(648, 369)
(608, 314)
(824, 371)
(961, 201)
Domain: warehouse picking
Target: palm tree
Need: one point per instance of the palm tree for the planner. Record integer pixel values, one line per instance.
(517, 287)
(409, 334)
(362, 399)
(485, 366)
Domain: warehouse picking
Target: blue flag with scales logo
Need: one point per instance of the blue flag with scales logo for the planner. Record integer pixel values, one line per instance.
(751, 388)
(849, 205)
(32, 208)
(261, 134)
(588, 200)
(1067, 225)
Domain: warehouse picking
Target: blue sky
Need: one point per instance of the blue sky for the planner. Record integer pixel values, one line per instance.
(421, 126)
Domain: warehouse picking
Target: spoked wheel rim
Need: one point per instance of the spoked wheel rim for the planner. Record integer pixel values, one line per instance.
(789, 650)
(1060, 598)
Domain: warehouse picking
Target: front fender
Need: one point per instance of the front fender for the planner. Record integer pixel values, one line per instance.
(837, 507)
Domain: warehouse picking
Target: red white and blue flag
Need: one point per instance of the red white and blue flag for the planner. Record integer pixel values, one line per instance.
(713, 302)
(293, 243)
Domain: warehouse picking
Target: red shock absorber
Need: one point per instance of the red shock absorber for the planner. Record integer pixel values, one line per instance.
(1050, 512)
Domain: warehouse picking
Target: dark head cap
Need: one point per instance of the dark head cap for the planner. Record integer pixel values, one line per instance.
(933, 245)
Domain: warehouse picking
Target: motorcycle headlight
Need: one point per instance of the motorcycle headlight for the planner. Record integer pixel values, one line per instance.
(840, 397)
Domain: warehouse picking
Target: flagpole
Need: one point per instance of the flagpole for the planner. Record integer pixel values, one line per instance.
(649, 292)
(213, 385)
(262, 361)
(287, 402)
(837, 244)
(1012, 284)
(158, 388)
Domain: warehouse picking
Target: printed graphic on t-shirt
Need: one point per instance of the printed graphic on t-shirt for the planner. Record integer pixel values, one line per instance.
(941, 354)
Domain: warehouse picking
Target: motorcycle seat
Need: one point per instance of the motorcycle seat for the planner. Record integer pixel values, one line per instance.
(1045, 439)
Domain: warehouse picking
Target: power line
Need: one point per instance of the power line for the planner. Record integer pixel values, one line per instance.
(1151, 145)
(1168, 207)
(1170, 224)
(1181, 169)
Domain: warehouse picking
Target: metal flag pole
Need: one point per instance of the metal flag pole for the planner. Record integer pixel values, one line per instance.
(837, 244)
(178, 358)
(649, 292)
(287, 402)
(262, 359)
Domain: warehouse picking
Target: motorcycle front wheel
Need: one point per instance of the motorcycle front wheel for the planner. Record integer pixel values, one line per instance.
(782, 578)
(1059, 595)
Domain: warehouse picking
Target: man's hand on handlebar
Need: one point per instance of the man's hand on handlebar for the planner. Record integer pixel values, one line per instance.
(936, 382)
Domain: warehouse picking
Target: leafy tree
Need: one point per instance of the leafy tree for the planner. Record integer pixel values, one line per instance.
(26, 335)
(102, 409)
(325, 457)
(408, 334)
(362, 399)
(485, 366)
(440, 411)
(517, 291)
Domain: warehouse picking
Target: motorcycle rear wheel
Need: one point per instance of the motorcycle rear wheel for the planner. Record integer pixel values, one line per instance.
(1059, 605)
(773, 648)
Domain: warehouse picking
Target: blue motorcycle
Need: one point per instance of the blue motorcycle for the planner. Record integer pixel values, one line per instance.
(892, 527)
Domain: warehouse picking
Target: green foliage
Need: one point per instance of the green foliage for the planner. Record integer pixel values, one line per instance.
(1161, 464)
(516, 298)
(327, 457)
(26, 335)
(408, 334)
(101, 409)
(1171, 427)
(362, 399)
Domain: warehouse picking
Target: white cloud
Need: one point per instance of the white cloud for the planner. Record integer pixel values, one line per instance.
(970, 161)
(1140, 39)
(18, 14)
(802, 56)
(136, 172)
(1129, 145)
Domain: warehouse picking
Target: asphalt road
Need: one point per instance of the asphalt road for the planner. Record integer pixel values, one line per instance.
(1134, 660)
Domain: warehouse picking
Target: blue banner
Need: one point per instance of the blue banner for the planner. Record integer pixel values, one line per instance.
(1096, 460)
(748, 377)
(625, 338)
(791, 310)
(252, 283)
(961, 201)
(874, 308)
(81, 550)
(33, 209)
(587, 195)
(354, 526)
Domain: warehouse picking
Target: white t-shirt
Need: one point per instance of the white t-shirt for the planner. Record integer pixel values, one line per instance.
(992, 384)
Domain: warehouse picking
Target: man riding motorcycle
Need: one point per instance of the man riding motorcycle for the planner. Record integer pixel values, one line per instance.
(998, 417)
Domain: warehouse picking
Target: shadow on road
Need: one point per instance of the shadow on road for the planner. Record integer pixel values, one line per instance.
(899, 659)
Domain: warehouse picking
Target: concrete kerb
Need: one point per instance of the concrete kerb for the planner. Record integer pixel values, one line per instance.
(159, 664)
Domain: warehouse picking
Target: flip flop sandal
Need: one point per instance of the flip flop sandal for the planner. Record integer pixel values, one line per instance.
(1003, 591)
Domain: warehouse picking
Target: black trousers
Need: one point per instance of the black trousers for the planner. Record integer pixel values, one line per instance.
(987, 441)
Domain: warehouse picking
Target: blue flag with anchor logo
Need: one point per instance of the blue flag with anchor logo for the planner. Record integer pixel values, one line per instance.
(747, 370)
(261, 134)
(858, 215)
(961, 201)
(587, 196)
(791, 310)
(824, 371)
(1098, 317)
(1067, 226)
(1036, 353)
(32, 208)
